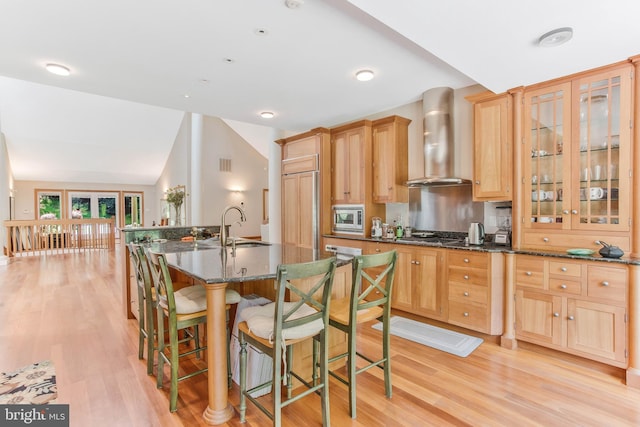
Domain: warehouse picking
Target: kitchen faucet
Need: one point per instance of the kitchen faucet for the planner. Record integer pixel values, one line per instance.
(223, 228)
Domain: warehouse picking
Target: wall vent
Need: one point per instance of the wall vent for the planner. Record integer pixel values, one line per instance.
(225, 165)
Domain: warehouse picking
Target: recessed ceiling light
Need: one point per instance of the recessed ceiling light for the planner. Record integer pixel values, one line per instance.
(556, 37)
(267, 115)
(261, 31)
(228, 60)
(364, 75)
(58, 69)
(186, 95)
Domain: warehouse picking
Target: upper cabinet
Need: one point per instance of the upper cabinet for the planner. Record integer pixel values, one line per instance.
(390, 160)
(577, 161)
(492, 147)
(350, 148)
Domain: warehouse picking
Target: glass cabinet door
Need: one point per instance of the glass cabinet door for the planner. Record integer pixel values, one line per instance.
(547, 130)
(601, 168)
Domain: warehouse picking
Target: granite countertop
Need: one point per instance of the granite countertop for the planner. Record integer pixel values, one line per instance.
(211, 263)
(457, 243)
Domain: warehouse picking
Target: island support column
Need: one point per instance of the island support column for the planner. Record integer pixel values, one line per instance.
(219, 410)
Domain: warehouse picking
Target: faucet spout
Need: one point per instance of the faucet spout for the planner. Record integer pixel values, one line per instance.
(223, 227)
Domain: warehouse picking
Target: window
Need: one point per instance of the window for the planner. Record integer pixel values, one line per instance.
(132, 208)
(49, 204)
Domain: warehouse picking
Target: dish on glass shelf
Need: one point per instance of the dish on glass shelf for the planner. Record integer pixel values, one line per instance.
(580, 251)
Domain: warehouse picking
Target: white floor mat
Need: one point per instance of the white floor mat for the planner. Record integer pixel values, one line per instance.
(442, 339)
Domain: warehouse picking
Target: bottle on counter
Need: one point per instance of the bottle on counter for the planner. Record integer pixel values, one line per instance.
(399, 229)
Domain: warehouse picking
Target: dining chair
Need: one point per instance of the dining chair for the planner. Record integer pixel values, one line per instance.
(275, 327)
(181, 310)
(146, 305)
(370, 298)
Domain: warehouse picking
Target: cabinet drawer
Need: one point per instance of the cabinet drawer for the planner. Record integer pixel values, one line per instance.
(565, 286)
(607, 282)
(470, 276)
(530, 272)
(300, 164)
(468, 315)
(563, 268)
(553, 240)
(467, 259)
(468, 293)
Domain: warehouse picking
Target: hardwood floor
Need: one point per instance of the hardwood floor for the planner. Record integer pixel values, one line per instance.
(67, 308)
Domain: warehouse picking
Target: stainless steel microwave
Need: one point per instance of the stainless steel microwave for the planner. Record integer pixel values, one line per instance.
(348, 219)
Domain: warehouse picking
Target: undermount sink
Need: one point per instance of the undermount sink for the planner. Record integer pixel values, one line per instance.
(249, 243)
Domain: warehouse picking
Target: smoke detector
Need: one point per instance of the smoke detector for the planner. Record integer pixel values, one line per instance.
(293, 4)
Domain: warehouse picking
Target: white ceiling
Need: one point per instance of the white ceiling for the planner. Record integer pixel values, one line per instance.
(115, 118)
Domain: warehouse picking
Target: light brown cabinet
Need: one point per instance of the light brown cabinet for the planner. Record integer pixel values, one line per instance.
(573, 306)
(305, 187)
(492, 147)
(419, 285)
(351, 157)
(390, 160)
(576, 170)
(475, 284)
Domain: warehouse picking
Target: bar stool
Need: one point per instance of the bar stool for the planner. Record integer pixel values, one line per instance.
(372, 284)
(274, 328)
(180, 310)
(146, 305)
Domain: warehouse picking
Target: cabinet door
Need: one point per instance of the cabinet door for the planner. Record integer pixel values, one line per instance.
(384, 153)
(390, 160)
(540, 318)
(602, 106)
(298, 208)
(348, 166)
(492, 152)
(547, 158)
(427, 291)
(401, 296)
(596, 329)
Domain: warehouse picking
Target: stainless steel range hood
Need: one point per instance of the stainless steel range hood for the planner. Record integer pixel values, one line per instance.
(437, 107)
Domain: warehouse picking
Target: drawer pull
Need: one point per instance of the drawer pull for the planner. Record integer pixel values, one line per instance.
(563, 269)
(417, 262)
(466, 294)
(528, 273)
(574, 211)
(565, 212)
(556, 314)
(377, 249)
(413, 262)
(563, 286)
(466, 277)
(571, 317)
(605, 283)
(545, 239)
(466, 314)
(466, 260)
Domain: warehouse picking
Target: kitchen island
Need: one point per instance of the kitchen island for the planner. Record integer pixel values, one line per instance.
(214, 267)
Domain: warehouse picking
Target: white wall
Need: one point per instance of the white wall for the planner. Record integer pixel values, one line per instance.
(6, 189)
(242, 186)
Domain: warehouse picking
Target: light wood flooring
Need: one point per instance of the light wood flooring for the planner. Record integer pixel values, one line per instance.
(68, 308)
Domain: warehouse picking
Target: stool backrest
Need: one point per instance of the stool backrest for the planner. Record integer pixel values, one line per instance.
(313, 283)
(372, 282)
(143, 279)
(163, 283)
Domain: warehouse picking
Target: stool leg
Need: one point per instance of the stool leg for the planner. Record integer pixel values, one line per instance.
(324, 377)
(316, 350)
(387, 357)
(351, 366)
(228, 350)
(243, 377)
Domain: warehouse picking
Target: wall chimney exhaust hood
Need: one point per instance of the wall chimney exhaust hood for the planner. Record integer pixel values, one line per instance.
(437, 107)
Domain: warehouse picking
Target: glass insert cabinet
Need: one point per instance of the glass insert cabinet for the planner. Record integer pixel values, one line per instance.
(576, 169)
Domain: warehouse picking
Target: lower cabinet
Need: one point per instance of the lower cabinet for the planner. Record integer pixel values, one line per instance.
(476, 287)
(418, 285)
(573, 306)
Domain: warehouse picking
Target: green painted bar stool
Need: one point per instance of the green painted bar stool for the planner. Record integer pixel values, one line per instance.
(274, 328)
(372, 284)
(146, 305)
(180, 310)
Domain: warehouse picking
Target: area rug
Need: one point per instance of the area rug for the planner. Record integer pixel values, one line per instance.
(442, 339)
(30, 385)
